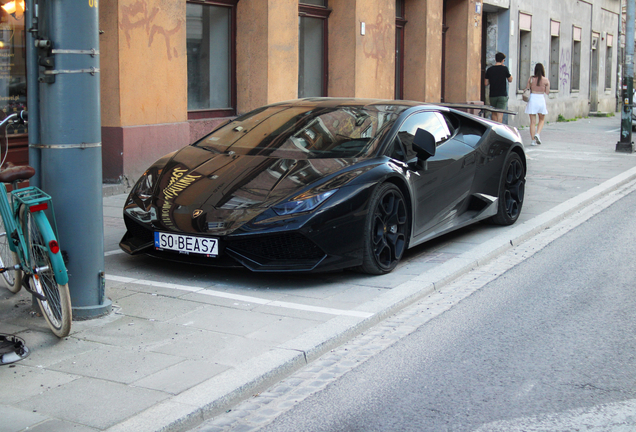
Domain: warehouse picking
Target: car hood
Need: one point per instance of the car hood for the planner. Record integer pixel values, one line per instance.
(200, 191)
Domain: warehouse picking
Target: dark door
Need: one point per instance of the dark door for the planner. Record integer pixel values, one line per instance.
(440, 188)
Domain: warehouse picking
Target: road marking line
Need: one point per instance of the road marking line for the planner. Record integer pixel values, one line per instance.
(239, 297)
(113, 252)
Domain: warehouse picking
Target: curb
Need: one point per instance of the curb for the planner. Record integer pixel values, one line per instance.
(214, 396)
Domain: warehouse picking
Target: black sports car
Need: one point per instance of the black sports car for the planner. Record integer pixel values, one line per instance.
(323, 184)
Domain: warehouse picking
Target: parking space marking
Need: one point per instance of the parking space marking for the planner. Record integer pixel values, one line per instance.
(239, 297)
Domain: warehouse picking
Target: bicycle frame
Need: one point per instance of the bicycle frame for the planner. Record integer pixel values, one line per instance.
(33, 199)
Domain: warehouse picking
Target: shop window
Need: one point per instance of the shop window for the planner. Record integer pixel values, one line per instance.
(553, 73)
(575, 79)
(525, 49)
(312, 48)
(608, 62)
(400, 22)
(211, 39)
(13, 89)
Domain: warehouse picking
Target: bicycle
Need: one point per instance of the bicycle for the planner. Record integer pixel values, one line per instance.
(30, 254)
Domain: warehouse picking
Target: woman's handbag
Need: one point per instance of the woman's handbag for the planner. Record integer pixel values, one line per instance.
(526, 95)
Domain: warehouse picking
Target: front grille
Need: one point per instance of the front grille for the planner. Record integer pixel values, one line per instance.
(291, 246)
(138, 231)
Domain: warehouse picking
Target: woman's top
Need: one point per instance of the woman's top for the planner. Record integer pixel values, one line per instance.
(544, 86)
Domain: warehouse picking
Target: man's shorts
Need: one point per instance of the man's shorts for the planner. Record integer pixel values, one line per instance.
(500, 102)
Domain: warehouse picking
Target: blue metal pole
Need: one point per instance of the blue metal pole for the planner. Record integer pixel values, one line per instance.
(71, 144)
(33, 94)
(625, 144)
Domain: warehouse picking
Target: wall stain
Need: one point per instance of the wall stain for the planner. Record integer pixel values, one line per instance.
(137, 16)
(375, 43)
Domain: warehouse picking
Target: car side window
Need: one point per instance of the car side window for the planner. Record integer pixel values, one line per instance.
(431, 121)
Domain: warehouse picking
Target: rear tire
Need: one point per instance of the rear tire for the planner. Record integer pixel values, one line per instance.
(11, 279)
(57, 306)
(385, 231)
(511, 191)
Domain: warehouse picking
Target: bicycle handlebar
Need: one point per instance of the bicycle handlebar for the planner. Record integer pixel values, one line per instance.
(22, 117)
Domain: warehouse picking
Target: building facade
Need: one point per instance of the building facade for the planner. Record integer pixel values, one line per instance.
(577, 41)
(172, 70)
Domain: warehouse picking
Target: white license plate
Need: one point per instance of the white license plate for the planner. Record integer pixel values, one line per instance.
(187, 244)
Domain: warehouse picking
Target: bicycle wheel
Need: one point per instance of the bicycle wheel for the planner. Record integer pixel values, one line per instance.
(56, 307)
(11, 279)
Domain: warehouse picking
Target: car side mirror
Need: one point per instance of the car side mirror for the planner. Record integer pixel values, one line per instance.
(424, 146)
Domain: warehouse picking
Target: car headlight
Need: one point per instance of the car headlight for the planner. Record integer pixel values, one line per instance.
(302, 203)
(141, 193)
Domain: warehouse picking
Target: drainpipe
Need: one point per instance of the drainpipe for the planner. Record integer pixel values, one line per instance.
(625, 144)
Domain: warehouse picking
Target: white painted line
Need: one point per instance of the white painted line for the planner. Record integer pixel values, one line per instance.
(242, 298)
(113, 252)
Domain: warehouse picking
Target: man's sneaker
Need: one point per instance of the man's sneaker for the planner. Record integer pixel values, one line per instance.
(537, 138)
(533, 143)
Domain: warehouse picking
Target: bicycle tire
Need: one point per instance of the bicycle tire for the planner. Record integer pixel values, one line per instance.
(11, 279)
(56, 308)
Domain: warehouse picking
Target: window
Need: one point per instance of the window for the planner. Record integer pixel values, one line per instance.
(608, 62)
(400, 22)
(312, 49)
(13, 66)
(553, 73)
(434, 122)
(575, 79)
(210, 28)
(525, 46)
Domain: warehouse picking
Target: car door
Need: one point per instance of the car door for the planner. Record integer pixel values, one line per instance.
(439, 187)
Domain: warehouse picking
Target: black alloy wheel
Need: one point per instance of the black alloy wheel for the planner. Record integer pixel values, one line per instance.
(386, 230)
(511, 191)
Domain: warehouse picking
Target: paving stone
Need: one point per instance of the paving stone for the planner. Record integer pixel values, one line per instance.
(159, 308)
(132, 365)
(61, 426)
(109, 404)
(16, 420)
(225, 320)
(133, 332)
(21, 382)
(181, 376)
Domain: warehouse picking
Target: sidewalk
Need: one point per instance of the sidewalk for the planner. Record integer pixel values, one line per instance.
(185, 342)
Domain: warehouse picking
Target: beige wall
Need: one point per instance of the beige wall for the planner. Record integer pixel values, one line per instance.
(362, 65)
(147, 62)
(144, 65)
(109, 63)
(463, 52)
(267, 52)
(423, 50)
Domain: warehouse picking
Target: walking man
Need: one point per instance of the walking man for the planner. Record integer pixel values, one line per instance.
(496, 77)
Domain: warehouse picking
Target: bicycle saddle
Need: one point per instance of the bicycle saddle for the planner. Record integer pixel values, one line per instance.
(11, 174)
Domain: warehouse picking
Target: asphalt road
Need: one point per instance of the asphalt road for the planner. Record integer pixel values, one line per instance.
(547, 346)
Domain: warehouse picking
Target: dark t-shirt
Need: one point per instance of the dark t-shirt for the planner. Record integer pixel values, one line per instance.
(497, 76)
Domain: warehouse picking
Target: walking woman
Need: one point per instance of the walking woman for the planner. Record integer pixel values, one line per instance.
(539, 86)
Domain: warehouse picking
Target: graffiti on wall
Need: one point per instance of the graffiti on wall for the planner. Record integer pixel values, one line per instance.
(564, 69)
(376, 42)
(139, 15)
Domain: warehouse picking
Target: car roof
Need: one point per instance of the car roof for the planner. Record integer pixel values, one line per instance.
(367, 103)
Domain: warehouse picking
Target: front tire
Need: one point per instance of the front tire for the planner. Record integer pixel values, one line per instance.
(511, 191)
(56, 308)
(386, 230)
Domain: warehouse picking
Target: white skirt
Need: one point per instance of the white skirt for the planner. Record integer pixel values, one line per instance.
(536, 104)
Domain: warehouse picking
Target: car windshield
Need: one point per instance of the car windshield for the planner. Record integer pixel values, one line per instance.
(305, 131)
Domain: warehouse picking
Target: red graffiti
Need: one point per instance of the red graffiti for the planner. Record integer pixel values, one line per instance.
(137, 16)
(376, 43)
